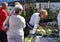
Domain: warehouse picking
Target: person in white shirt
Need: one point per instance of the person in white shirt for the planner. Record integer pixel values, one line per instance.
(34, 21)
(15, 32)
(58, 19)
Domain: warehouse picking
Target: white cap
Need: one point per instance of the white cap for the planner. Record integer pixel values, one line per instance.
(19, 6)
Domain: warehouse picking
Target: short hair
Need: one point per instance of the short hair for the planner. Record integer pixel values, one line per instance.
(19, 6)
(43, 10)
(17, 9)
(4, 3)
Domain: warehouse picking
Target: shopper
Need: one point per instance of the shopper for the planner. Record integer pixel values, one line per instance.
(34, 21)
(3, 16)
(58, 19)
(15, 32)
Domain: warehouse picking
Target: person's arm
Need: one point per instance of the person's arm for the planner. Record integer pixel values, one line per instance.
(35, 25)
(6, 24)
(34, 29)
(12, 11)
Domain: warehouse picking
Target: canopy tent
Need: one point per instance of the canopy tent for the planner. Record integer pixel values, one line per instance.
(47, 0)
(29, 1)
(33, 0)
(14, 0)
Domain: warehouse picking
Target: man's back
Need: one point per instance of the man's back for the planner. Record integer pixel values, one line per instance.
(34, 18)
(3, 16)
(16, 25)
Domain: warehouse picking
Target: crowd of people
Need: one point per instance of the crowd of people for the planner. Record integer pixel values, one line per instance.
(15, 23)
(17, 26)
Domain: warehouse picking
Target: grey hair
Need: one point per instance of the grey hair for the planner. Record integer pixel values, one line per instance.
(17, 9)
(4, 3)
